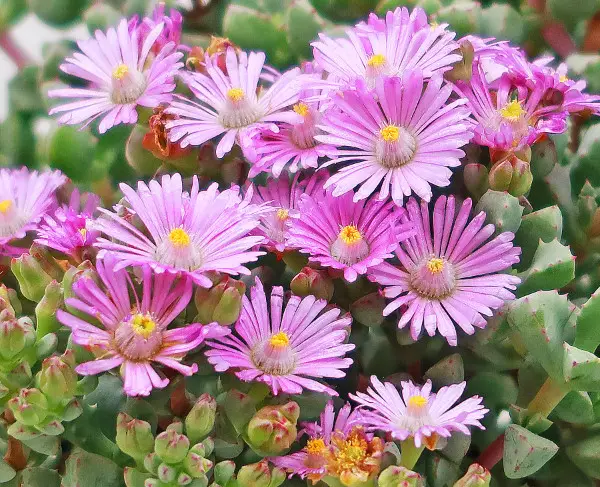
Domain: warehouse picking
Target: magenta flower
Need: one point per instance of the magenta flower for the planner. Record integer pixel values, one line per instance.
(171, 32)
(121, 76)
(403, 137)
(450, 271)
(418, 413)
(346, 235)
(134, 336)
(25, 196)
(283, 197)
(232, 105)
(287, 349)
(388, 47)
(311, 461)
(70, 229)
(191, 234)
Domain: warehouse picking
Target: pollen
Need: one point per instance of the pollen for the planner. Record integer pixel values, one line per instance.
(512, 111)
(83, 232)
(301, 109)
(376, 60)
(435, 265)
(283, 214)
(235, 94)
(350, 235)
(280, 340)
(417, 402)
(120, 71)
(315, 446)
(563, 78)
(143, 325)
(179, 237)
(390, 133)
(5, 206)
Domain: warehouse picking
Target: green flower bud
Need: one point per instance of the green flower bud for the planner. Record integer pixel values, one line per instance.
(134, 437)
(476, 476)
(57, 379)
(500, 176)
(201, 419)
(5, 300)
(152, 483)
(476, 179)
(30, 407)
(151, 462)
(522, 178)
(259, 475)
(45, 311)
(399, 477)
(17, 337)
(224, 471)
(196, 465)
(166, 473)
(221, 303)
(185, 479)
(31, 276)
(312, 281)
(272, 430)
(171, 446)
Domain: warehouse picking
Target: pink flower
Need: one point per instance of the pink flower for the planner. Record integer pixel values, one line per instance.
(346, 235)
(287, 349)
(121, 76)
(171, 32)
(134, 336)
(450, 271)
(418, 413)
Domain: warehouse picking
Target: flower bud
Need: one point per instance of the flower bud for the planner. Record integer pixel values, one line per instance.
(476, 179)
(30, 407)
(463, 69)
(171, 446)
(48, 263)
(399, 477)
(500, 176)
(17, 337)
(134, 437)
(272, 430)
(224, 471)
(201, 419)
(57, 379)
(45, 311)
(259, 475)
(6, 297)
(221, 303)
(312, 281)
(152, 462)
(166, 473)
(522, 178)
(157, 141)
(476, 476)
(196, 465)
(186, 479)
(32, 278)
(368, 310)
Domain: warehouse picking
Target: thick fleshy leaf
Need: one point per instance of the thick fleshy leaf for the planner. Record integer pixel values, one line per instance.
(581, 369)
(83, 468)
(502, 210)
(525, 452)
(449, 370)
(441, 472)
(40, 477)
(545, 225)
(576, 407)
(7, 473)
(586, 455)
(553, 267)
(587, 333)
(239, 408)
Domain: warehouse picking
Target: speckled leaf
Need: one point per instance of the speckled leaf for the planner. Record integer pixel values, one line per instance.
(581, 369)
(587, 333)
(449, 370)
(502, 210)
(525, 452)
(553, 267)
(545, 225)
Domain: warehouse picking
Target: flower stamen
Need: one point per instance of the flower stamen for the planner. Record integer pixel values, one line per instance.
(301, 109)
(143, 325)
(376, 60)
(435, 265)
(280, 340)
(513, 111)
(390, 133)
(120, 72)
(236, 94)
(5, 206)
(179, 237)
(283, 214)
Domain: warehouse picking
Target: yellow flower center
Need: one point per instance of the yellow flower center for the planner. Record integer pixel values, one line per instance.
(120, 71)
(351, 453)
(179, 237)
(435, 265)
(350, 235)
(512, 111)
(5, 205)
(376, 60)
(315, 446)
(143, 325)
(283, 214)
(235, 94)
(301, 109)
(83, 232)
(280, 340)
(417, 402)
(563, 78)
(390, 133)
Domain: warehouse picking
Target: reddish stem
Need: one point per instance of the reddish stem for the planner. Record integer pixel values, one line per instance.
(558, 38)
(13, 51)
(492, 454)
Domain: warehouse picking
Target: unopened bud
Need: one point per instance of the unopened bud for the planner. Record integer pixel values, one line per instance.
(32, 278)
(166, 473)
(259, 475)
(522, 178)
(221, 303)
(394, 476)
(49, 264)
(500, 176)
(134, 437)
(196, 465)
(544, 157)
(476, 179)
(45, 311)
(368, 310)
(171, 446)
(5, 300)
(152, 462)
(272, 429)
(201, 419)
(30, 407)
(223, 471)
(312, 281)
(476, 476)
(17, 337)
(57, 378)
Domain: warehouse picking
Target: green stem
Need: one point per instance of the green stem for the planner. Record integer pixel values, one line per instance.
(409, 453)
(547, 398)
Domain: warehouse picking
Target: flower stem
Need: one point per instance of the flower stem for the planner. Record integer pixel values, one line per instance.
(409, 453)
(492, 454)
(13, 51)
(547, 398)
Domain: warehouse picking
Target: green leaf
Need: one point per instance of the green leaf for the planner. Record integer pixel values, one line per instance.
(10, 12)
(40, 477)
(576, 407)
(58, 13)
(135, 478)
(449, 370)
(499, 390)
(304, 24)
(22, 432)
(502, 210)
(6, 472)
(23, 92)
(545, 225)
(239, 408)
(457, 446)
(311, 404)
(502, 21)
(587, 332)
(441, 472)
(540, 319)
(226, 450)
(66, 146)
(525, 452)
(90, 470)
(139, 158)
(101, 16)
(581, 369)
(48, 445)
(586, 455)
(553, 267)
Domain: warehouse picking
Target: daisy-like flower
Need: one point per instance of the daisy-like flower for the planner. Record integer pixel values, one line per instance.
(418, 413)
(283, 197)
(287, 349)
(133, 333)
(232, 104)
(191, 234)
(311, 461)
(25, 196)
(405, 138)
(388, 47)
(509, 118)
(450, 271)
(171, 31)
(121, 76)
(346, 235)
(69, 230)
